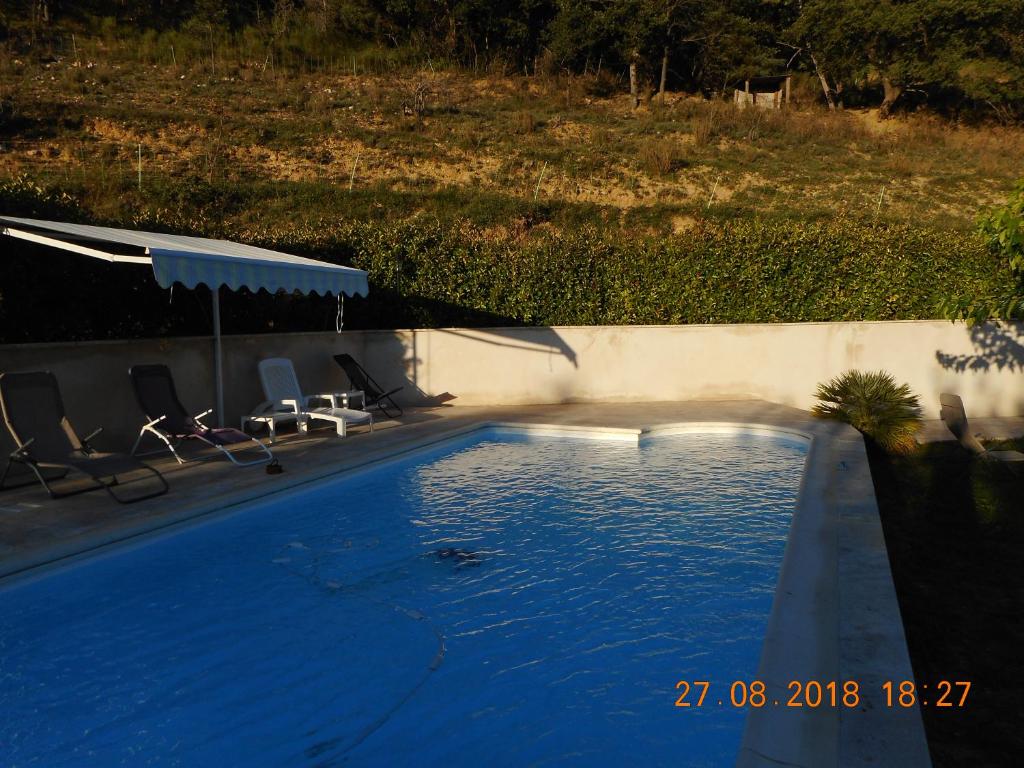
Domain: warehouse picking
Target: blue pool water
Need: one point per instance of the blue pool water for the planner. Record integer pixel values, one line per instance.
(336, 625)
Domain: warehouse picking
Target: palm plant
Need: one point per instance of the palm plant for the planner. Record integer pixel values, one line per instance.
(872, 402)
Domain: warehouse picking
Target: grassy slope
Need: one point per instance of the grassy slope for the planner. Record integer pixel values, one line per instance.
(954, 530)
(263, 147)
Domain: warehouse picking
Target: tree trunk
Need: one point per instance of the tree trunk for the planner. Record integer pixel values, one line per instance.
(664, 75)
(891, 94)
(824, 83)
(634, 85)
(452, 37)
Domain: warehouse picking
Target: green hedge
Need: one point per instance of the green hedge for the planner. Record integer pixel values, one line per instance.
(430, 274)
(735, 272)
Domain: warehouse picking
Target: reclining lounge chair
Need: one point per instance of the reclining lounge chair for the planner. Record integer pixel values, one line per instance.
(34, 413)
(955, 417)
(374, 395)
(285, 398)
(170, 423)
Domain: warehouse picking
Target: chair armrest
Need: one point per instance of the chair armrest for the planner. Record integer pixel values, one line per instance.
(294, 405)
(330, 397)
(21, 452)
(85, 440)
(271, 406)
(198, 416)
(155, 421)
(340, 399)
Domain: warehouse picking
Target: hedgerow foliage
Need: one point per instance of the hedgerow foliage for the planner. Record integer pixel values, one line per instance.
(745, 271)
(433, 274)
(1003, 229)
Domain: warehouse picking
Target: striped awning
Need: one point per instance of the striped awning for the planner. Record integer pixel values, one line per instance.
(194, 260)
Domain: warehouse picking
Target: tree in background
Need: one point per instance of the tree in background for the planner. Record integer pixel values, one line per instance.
(581, 37)
(946, 49)
(859, 42)
(975, 54)
(734, 40)
(473, 32)
(707, 44)
(952, 54)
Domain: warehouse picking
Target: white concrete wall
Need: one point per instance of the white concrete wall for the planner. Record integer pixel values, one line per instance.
(782, 363)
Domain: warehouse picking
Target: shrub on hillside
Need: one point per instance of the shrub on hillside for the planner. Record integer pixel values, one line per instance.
(22, 197)
(659, 156)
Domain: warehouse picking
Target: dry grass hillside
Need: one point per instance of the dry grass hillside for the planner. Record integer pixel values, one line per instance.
(256, 146)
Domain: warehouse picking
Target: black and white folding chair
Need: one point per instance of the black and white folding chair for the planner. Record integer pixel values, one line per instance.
(374, 395)
(170, 423)
(33, 411)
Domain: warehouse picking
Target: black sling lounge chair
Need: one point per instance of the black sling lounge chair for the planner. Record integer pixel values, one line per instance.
(373, 394)
(34, 413)
(170, 423)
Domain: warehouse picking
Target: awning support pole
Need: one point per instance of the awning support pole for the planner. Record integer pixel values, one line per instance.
(218, 370)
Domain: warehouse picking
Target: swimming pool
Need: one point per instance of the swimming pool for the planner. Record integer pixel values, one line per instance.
(506, 598)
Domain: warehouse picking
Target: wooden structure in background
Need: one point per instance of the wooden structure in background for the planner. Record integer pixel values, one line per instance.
(764, 92)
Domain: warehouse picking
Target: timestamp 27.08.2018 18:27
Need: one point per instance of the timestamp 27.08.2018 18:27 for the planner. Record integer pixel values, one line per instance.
(814, 693)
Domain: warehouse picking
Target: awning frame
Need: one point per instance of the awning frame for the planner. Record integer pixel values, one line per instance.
(74, 247)
(234, 265)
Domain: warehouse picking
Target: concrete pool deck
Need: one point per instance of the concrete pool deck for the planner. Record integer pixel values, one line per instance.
(835, 615)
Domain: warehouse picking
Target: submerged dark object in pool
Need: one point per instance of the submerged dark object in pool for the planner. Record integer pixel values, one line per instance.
(459, 556)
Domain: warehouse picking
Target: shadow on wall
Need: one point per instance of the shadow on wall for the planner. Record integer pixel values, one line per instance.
(396, 359)
(387, 308)
(543, 340)
(997, 345)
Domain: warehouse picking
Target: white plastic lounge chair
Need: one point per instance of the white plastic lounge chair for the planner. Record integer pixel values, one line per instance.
(955, 417)
(285, 399)
(269, 415)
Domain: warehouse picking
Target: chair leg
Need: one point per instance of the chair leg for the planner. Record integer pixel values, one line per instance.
(55, 494)
(231, 457)
(172, 447)
(396, 406)
(46, 485)
(59, 494)
(137, 441)
(262, 447)
(174, 450)
(11, 462)
(108, 487)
